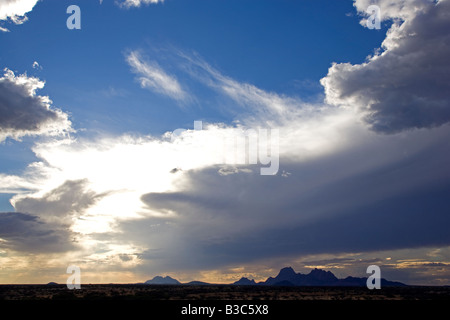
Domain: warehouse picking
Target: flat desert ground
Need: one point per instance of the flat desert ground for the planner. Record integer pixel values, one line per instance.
(217, 292)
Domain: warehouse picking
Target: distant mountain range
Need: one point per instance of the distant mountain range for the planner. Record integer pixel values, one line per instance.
(161, 280)
(288, 277)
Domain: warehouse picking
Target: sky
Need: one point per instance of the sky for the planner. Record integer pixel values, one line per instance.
(210, 140)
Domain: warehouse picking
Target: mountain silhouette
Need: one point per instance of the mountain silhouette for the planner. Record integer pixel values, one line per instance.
(286, 274)
(288, 277)
(318, 277)
(197, 283)
(245, 282)
(161, 280)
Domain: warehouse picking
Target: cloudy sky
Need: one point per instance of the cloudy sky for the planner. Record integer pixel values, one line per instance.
(211, 140)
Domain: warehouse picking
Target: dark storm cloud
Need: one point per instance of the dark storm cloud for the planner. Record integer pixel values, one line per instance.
(61, 203)
(22, 112)
(26, 232)
(19, 110)
(344, 203)
(406, 86)
(412, 221)
(43, 224)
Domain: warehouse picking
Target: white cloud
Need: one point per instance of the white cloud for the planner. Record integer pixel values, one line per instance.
(22, 112)
(263, 106)
(153, 77)
(15, 10)
(397, 10)
(227, 170)
(36, 65)
(137, 3)
(307, 130)
(407, 85)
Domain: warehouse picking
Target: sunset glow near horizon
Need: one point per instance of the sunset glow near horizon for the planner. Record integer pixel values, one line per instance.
(348, 165)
